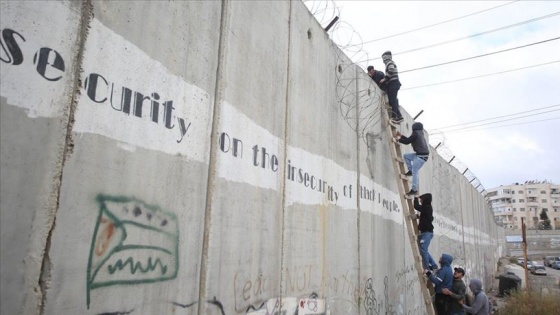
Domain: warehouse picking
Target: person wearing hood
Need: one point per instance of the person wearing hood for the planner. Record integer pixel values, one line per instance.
(392, 83)
(414, 161)
(442, 279)
(426, 228)
(480, 305)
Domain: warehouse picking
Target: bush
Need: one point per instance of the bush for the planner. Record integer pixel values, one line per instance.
(513, 260)
(523, 302)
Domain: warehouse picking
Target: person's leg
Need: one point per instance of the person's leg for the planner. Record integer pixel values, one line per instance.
(408, 158)
(392, 89)
(424, 242)
(416, 165)
(432, 262)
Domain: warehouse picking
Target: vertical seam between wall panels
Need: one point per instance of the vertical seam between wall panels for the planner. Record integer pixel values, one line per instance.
(211, 179)
(286, 121)
(358, 216)
(67, 149)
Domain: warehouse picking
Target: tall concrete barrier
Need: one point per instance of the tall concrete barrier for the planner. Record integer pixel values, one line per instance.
(206, 157)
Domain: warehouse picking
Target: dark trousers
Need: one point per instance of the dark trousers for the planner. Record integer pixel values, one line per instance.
(392, 90)
(441, 304)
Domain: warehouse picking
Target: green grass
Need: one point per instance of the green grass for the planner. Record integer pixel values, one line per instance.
(513, 260)
(522, 303)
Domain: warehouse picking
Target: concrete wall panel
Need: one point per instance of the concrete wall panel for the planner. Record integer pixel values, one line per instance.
(39, 59)
(130, 221)
(220, 157)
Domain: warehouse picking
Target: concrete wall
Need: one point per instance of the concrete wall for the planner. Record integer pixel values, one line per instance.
(205, 157)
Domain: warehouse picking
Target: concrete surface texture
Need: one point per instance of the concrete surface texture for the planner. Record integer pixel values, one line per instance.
(206, 157)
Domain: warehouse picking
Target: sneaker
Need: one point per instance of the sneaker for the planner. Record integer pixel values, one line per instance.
(395, 121)
(412, 192)
(409, 173)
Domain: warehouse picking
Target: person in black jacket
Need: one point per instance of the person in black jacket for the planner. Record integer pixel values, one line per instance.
(426, 228)
(376, 76)
(414, 161)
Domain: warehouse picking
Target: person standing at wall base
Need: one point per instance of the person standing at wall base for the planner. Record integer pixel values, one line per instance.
(480, 305)
(442, 279)
(457, 293)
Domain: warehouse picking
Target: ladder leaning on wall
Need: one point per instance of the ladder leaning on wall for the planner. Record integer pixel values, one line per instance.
(409, 213)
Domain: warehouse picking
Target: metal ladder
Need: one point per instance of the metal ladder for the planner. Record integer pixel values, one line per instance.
(409, 212)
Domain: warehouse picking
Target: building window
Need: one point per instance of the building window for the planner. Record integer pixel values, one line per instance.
(545, 209)
(543, 201)
(513, 200)
(521, 209)
(543, 192)
(514, 209)
(520, 192)
(521, 200)
(515, 219)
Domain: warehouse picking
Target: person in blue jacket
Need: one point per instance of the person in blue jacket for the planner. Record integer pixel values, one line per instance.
(442, 279)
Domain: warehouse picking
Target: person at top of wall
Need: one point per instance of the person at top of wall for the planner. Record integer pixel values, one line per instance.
(376, 76)
(414, 161)
(442, 279)
(426, 228)
(391, 80)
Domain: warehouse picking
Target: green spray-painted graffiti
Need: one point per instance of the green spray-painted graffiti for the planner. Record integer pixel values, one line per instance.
(132, 243)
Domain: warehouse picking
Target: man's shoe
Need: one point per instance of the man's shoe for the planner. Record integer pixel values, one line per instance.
(409, 173)
(412, 192)
(395, 121)
(398, 120)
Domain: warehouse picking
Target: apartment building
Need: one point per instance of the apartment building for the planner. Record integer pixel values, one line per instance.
(510, 203)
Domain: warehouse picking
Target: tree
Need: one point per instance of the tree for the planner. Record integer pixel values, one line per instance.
(544, 224)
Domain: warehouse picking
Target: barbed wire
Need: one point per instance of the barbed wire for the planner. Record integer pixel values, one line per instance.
(359, 98)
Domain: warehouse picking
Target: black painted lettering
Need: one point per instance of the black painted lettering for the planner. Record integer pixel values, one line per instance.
(155, 107)
(182, 128)
(91, 85)
(264, 157)
(41, 60)
(237, 147)
(138, 102)
(312, 182)
(126, 99)
(10, 47)
(168, 114)
(224, 140)
(255, 155)
(274, 163)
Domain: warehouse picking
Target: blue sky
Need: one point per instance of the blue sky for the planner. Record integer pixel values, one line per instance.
(497, 156)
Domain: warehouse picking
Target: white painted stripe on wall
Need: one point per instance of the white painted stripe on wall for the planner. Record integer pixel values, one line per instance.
(122, 64)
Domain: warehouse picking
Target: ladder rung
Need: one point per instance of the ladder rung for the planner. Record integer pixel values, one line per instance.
(404, 177)
(399, 159)
(395, 140)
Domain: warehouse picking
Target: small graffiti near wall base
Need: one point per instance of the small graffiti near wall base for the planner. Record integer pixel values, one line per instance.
(132, 243)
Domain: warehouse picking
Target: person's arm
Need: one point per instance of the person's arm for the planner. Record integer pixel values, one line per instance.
(477, 305)
(460, 294)
(417, 205)
(436, 280)
(409, 139)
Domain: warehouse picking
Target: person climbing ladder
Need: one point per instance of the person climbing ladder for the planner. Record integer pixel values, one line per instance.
(414, 161)
(426, 228)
